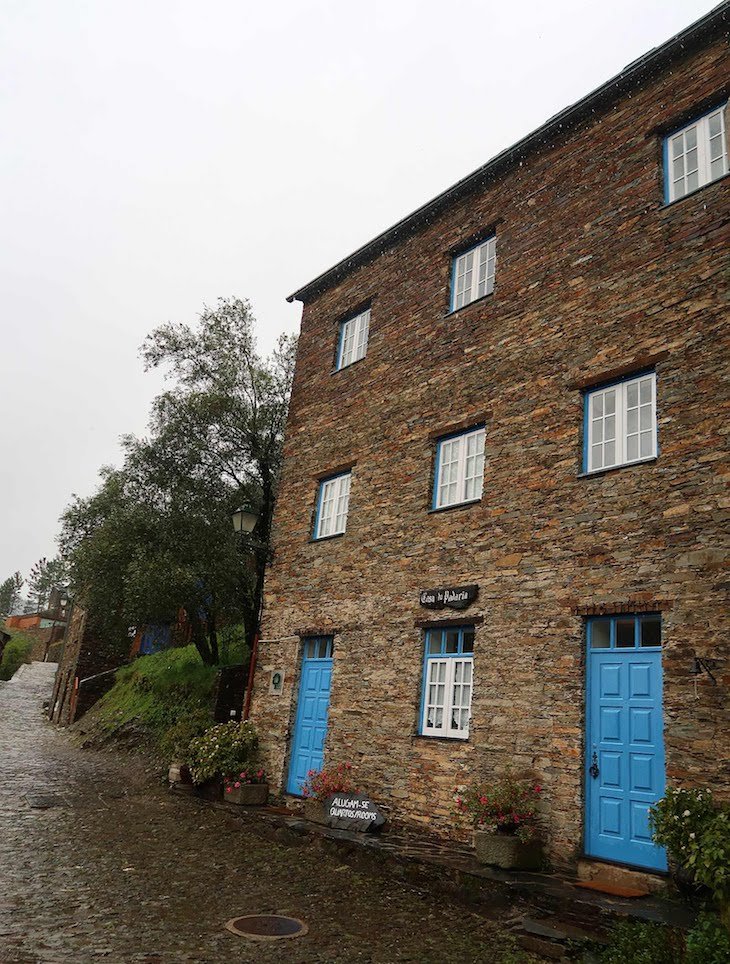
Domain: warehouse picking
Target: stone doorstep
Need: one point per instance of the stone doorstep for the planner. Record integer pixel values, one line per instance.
(554, 899)
(599, 871)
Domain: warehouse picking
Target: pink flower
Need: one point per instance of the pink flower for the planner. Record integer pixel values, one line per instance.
(236, 784)
(538, 789)
(228, 789)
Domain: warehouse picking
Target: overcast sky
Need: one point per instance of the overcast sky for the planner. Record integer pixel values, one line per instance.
(157, 154)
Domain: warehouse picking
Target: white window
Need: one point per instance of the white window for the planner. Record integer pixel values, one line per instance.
(448, 681)
(459, 469)
(353, 339)
(332, 506)
(473, 274)
(696, 155)
(621, 423)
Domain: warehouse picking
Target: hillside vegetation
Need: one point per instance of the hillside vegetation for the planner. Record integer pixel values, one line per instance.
(16, 652)
(159, 702)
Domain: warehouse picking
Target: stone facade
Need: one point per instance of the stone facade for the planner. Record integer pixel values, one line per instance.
(595, 276)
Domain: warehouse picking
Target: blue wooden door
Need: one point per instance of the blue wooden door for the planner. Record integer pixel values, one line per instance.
(310, 727)
(625, 739)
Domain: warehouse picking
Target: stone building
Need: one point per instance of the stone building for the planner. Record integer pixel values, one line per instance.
(501, 528)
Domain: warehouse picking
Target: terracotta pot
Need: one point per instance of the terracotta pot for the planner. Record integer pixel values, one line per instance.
(316, 812)
(506, 851)
(248, 794)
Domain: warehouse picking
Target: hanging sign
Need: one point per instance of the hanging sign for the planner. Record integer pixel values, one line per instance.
(453, 597)
(353, 811)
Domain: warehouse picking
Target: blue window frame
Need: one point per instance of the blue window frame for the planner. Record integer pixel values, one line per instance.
(630, 631)
(446, 692)
(695, 155)
(353, 339)
(472, 273)
(333, 504)
(620, 423)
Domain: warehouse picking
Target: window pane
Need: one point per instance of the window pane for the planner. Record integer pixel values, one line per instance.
(600, 634)
(632, 395)
(624, 633)
(632, 447)
(468, 641)
(434, 641)
(452, 641)
(651, 631)
(647, 445)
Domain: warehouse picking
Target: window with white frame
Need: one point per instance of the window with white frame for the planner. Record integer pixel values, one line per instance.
(696, 155)
(448, 682)
(333, 503)
(353, 343)
(621, 423)
(459, 475)
(473, 274)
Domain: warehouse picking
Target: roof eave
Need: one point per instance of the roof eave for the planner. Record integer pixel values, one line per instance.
(634, 73)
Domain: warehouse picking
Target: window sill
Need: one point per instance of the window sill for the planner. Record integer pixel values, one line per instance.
(615, 468)
(335, 535)
(336, 371)
(457, 505)
(441, 739)
(702, 187)
(455, 311)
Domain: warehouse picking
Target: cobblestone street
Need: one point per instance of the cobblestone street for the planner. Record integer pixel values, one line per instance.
(116, 868)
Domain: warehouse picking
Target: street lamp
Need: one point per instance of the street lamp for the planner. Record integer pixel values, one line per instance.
(244, 520)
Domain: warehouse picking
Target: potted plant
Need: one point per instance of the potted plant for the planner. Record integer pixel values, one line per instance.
(504, 814)
(696, 832)
(321, 784)
(249, 788)
(221, 751)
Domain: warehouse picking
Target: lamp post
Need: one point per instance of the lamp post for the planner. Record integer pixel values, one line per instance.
(244, 521)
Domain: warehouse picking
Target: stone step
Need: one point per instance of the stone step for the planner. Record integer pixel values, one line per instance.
(612, 875)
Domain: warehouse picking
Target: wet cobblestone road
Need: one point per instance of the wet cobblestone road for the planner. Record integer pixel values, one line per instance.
(121, 870)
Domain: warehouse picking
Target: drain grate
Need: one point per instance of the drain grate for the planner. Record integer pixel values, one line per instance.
(267, 927)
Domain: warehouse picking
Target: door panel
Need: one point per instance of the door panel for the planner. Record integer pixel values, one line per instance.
(310, 727)
(625, 732)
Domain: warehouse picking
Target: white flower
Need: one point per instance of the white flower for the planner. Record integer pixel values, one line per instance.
(686, 813)
(691, 836)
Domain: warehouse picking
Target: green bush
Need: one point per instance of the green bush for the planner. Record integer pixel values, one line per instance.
(696, 833)
(708, 942)
(176, 740)
(635, 942)
(222, 750)
(16, 652)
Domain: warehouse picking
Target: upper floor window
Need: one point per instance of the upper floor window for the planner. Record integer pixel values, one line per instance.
(696, 155)
(620, 423)
(473, 274)
(333, 503)
(447, 682)
(459, 475)
(353, 342)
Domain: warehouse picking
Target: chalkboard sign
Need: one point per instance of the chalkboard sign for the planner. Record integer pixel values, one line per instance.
(453, 597)
(353, 811)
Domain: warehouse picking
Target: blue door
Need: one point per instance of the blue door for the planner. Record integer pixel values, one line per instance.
(625, 740)
(310, 727)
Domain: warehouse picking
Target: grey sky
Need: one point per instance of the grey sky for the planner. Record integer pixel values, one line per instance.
(158, 154)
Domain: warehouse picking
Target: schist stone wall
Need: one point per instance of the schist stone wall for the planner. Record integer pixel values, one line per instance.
(595, 276)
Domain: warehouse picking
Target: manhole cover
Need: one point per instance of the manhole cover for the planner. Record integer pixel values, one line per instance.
(267, 927)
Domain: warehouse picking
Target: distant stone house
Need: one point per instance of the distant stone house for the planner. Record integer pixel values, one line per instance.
(503, 517)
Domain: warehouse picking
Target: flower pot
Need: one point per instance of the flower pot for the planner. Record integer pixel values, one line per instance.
(179, 774)
(507, 851)
(210, 789)
(316, 811)
(248, 794)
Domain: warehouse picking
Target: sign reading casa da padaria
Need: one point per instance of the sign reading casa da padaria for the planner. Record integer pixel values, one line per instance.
(451, 597)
